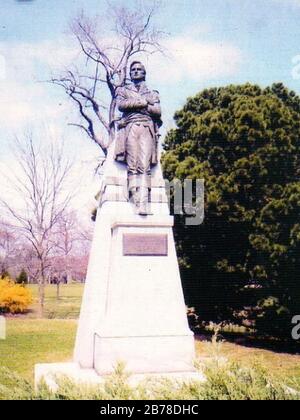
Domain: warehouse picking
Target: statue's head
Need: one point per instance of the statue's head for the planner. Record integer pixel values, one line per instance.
(137, 71)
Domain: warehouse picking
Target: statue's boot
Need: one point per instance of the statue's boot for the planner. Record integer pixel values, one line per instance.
(144, 201)
(135, 197)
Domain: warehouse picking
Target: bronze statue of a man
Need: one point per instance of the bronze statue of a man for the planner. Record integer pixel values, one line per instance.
(138, 134)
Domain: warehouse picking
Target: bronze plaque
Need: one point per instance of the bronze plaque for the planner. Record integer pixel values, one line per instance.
(144, 244)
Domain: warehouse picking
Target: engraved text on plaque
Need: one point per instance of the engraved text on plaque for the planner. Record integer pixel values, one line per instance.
(141, 244)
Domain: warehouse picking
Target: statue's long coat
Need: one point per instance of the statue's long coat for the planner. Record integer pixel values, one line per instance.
(127, 97)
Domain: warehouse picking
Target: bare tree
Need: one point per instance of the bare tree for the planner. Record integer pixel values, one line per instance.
(40, 199)
(106, 64)
(72, 242)
(28, 260)
(66, 236)
(16, 254)
(8, 247)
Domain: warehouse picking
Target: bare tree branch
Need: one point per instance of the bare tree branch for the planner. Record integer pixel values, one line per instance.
(39, 189)
(106, 64)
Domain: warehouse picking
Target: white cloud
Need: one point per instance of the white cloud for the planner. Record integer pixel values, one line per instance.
(24, 104)
(54, 53)
(23, 58)
(195, 60)
(2, 67)
(23, 99)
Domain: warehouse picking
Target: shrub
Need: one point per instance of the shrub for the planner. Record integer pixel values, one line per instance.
(229, 381)
(22, 277)
(14, 298)
(233, 381)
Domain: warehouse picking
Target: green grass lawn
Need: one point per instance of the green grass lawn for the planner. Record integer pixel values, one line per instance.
(68, 305)
(31, 340)
(283, 365)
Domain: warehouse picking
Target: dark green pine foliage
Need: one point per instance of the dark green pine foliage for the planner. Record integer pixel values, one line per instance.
(243, 262)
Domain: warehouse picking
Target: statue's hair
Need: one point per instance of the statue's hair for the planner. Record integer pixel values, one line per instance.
(137, 62)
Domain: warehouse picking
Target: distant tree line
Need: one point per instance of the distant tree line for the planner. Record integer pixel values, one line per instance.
(18, 262)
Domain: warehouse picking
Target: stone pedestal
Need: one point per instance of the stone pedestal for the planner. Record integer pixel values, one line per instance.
(134, 312)
(133, 308)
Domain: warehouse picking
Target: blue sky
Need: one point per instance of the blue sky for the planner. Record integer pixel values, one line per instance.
(265, 33)
(211, 43)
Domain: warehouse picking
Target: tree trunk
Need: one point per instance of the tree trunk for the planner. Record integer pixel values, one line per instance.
(42, 282)
(57, 290)
(41, 297)
(69, 276)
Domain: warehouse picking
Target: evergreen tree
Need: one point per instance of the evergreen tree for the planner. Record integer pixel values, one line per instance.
(243, 261)
(22, 277)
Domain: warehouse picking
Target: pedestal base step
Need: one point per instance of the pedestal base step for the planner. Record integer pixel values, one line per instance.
(51, 372)
(144, 354)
